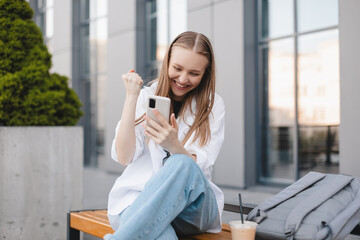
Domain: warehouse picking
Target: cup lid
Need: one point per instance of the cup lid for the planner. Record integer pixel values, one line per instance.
(239, 224)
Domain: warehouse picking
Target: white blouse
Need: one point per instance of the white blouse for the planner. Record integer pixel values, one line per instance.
(148, 157)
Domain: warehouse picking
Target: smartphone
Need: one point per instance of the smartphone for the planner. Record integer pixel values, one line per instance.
(162, 104)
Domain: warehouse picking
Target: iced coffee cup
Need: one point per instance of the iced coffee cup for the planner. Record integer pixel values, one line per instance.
(244, 231)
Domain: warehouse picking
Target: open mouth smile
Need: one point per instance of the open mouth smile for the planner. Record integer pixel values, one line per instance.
(180, 86)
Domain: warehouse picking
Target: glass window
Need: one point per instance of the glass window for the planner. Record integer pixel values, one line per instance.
(101, 44)
(299, 87)
(277, 18)
(101, 8)
(40, 3)
(40, 21)
(151, 43)
(318, 78)
(50, 23)
(278, 77)
(93, 75)
(101, 121)
(317, 14)
(49, 28)
(162, 26)
(84, 10)
(49, 3)
(84, 51)
(318, 100)
(44, 18)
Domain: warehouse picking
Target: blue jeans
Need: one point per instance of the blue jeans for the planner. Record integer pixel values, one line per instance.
(177, 199)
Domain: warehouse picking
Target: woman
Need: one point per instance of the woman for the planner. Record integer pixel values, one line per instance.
(166, 187)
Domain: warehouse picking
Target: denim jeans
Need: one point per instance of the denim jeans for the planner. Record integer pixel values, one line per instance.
(177, 199)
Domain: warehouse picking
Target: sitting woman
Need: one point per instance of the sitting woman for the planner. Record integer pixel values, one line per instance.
(166, 188)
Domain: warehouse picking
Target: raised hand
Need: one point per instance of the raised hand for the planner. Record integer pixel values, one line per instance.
(125, 137)
(132, 82)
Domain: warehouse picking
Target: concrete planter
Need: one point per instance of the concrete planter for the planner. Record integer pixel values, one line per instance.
(40, 180)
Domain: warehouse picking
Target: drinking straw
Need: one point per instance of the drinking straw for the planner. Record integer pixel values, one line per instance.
(241, 211)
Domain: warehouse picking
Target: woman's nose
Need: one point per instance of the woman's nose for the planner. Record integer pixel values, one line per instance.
(183, 78)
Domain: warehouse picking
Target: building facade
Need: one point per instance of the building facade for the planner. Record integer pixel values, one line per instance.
(286, 70)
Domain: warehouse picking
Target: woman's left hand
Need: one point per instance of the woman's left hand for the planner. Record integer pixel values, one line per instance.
(162, 133)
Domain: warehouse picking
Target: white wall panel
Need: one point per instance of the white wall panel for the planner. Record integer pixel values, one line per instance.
(62, 61)
(62, 25)
(62, 40)
(121, 58)
(122, 16)
(200, 21)
(349, 36)
(228, 45)
(196, 4)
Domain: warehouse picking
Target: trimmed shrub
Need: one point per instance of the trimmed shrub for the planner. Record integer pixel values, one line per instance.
(29, 94)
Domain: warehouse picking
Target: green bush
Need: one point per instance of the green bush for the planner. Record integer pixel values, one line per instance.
(29, 93)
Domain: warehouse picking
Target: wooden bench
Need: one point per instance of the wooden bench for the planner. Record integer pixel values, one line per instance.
(96, 223)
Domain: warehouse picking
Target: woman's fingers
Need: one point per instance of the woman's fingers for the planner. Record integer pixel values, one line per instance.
(131, 75)
(153, 124)
(132, 82)
(162, 133)
(152, 132)
(163, 121)
(160, 129)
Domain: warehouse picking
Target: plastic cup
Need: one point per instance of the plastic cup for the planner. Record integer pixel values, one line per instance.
(244, 231)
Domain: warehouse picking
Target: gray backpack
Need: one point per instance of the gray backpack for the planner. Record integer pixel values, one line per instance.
(317, 206)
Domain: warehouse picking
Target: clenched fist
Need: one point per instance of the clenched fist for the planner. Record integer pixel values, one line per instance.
(132, 82)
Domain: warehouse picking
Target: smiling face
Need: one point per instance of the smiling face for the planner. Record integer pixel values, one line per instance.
(186, 69)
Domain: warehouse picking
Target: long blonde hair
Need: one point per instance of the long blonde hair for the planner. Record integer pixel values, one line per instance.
(204, 93)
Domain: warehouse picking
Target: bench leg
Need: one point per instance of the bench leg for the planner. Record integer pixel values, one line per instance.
(72, 234)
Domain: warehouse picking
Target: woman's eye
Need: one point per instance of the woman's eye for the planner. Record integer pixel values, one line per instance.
(195, 74)
(176, 68)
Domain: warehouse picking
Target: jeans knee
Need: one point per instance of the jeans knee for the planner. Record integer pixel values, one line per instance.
(182, 161)
(185, 169)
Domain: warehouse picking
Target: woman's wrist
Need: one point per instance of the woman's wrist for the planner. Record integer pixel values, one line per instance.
(131, 99)
(181, 150)
(131, 95)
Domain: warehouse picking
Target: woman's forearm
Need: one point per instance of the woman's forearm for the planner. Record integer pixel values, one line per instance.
(125, 139)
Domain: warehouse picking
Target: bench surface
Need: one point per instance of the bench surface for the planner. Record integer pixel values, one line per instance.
(82, 221)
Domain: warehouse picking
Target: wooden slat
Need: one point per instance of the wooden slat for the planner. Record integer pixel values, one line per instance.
(89, 222)
(96, 216)
(96, 223)
(226, 227)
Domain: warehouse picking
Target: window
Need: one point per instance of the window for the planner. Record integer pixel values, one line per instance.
(165, 20)
(44, 18)
(92, 76)
(299, 88)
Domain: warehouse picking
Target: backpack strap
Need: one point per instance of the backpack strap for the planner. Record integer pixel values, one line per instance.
(326, 191)
(298, 186)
